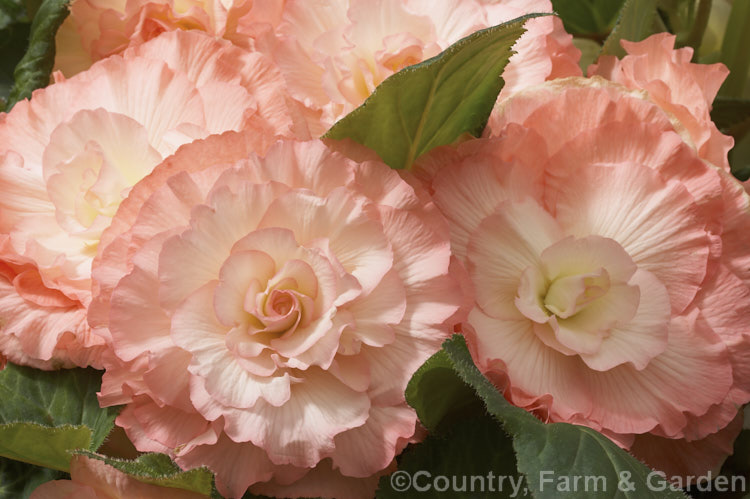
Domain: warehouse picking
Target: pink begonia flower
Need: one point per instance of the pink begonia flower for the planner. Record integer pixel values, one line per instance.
(70, 155)
(267, 311)
(611, 270)
(682, 88)
(333, 53)
(94, 479)
(97, 29)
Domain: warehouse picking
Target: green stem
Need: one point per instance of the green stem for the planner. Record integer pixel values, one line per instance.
(734, 49)
(695, 38)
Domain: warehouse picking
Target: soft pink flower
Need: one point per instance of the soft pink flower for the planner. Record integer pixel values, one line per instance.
(94, 479)
(611, 270)
(97, 29)
(267, 311)
(333, 53)
(70, 155)
(682, 88)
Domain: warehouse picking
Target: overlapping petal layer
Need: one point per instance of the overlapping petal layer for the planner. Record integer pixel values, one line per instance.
(603, 254)
(334, 53)
(71, 155)
(97, 29)
(682, 88)
(278, 313)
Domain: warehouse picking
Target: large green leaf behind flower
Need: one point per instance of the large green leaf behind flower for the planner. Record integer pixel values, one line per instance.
(46, 414)
(433, 103)
(550, 456)
(34, 68)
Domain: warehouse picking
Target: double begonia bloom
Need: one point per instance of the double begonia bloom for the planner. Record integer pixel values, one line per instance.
(70, 155)
(611, 270)
(333, 53)
(94, 479)
(683, 89)
(97, 29)
(267, 308)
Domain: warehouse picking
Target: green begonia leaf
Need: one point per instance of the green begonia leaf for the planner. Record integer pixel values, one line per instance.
(45, 414)
(158, 469)
(557, 459)
(34, 69)
(635, 22)
(433, 103)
